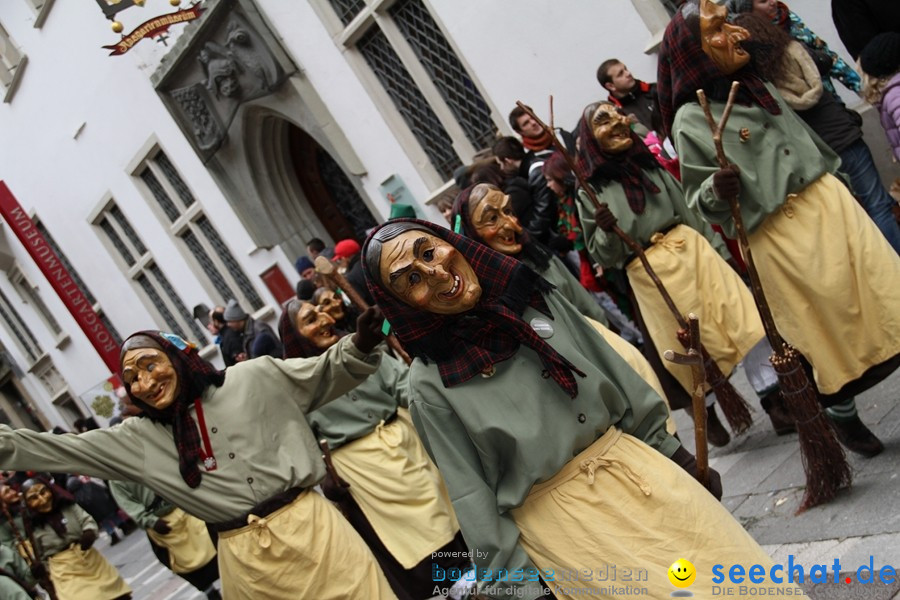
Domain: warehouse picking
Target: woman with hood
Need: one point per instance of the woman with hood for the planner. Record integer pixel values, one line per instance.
(395, 499)
(64, 536)
(554, 450)
(826, 269)
(234, 449)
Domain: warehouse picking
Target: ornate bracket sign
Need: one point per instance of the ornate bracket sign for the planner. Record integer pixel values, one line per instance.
(154, 27)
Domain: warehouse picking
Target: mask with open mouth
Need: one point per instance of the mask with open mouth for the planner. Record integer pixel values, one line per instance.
(316, 326)
(721, 40)
(611, 129)
(492, 217)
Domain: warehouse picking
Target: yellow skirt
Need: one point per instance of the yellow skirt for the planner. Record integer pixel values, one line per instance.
(619, 514)
(189, 544)
(831, 280)
(399, 490)
(700, 282)
(85, 575)
(303, 550)
(636, 361)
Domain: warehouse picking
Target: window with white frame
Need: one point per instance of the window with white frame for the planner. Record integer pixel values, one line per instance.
(12, 62)
(85, 290)
(421, 78)
(19, 330)
(180, 212)
(139, 265)
(69, 409)
(29, 294)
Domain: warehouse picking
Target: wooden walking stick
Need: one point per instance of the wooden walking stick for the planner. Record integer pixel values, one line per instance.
(325, 268)
(736, 409)
(824, 461)
(694, 358)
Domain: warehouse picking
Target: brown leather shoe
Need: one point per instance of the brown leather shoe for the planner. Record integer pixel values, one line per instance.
(716, 434)
(856, 437)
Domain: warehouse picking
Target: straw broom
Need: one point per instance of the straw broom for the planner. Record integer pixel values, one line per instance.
(824, 461)
(736, 410)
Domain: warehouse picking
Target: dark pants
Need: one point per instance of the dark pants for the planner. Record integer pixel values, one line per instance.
(202, 578)
(857, 163)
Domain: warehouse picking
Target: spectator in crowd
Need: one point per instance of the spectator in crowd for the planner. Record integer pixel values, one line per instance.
(535, 139)
(539, 216)
(858, 21)
(305, 289)
(786, 63)
(315, 247)
(346, 257)
(255, 338)
(830, 64)
(305, 267)
(636, 98)
(880, 62)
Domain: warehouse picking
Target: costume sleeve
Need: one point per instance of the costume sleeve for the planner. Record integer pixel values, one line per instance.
(115, 453)
(323, 378)
(575, 293)
(129, 500)
(395, 379)
(605, 248)
(698, 164)
(85, 521)
(492, 535)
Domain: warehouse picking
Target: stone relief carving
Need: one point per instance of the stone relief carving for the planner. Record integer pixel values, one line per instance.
(226, 65)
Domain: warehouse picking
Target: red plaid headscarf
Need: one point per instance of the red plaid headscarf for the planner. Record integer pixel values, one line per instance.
(599, 167)
(469, 343)
(684, 68)
(532, 252)
(194, 376)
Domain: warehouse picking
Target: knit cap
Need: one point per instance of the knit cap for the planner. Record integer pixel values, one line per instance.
(881, 56)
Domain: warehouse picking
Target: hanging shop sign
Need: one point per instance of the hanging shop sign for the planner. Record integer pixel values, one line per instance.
(154, 27)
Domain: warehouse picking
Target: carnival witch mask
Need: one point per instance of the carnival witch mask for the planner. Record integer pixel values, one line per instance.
(611, 129)
(330, 303)
(721, 40)
(316, 325)
(491, 215)
(426, 272)
(151, 376)
(39, 498)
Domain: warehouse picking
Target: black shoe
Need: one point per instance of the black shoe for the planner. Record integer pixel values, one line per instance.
(213, 594)
(128, 527)
(782, 422)
(716, 434)
(856, 437)
(115, 539)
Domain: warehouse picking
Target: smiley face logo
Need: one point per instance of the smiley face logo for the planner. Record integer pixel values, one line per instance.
(682, 573)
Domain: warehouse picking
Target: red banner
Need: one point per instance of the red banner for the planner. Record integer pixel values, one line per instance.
(153, 28)
(59, 278)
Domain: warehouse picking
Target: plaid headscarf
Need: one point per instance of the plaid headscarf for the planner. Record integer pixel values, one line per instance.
(532, 251)
(684, 68)
(470, 343)
(295, 345)
(628, 167)
(194, 376)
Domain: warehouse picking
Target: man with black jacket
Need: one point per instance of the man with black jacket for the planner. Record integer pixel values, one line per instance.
(635, 97)
(539, 216)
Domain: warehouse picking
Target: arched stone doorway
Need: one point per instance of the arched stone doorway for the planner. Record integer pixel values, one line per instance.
(328, 190)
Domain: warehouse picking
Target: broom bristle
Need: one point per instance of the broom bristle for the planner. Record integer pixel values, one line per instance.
(734, 407)
(824, 461)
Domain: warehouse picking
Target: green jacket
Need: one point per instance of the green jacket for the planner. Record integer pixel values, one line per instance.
(660, 211)
(571, 289)
(356, 413)
(139, 502)
(781, 155)
(492, 438)
(77, 522)
(11, 562)
(256, 422)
